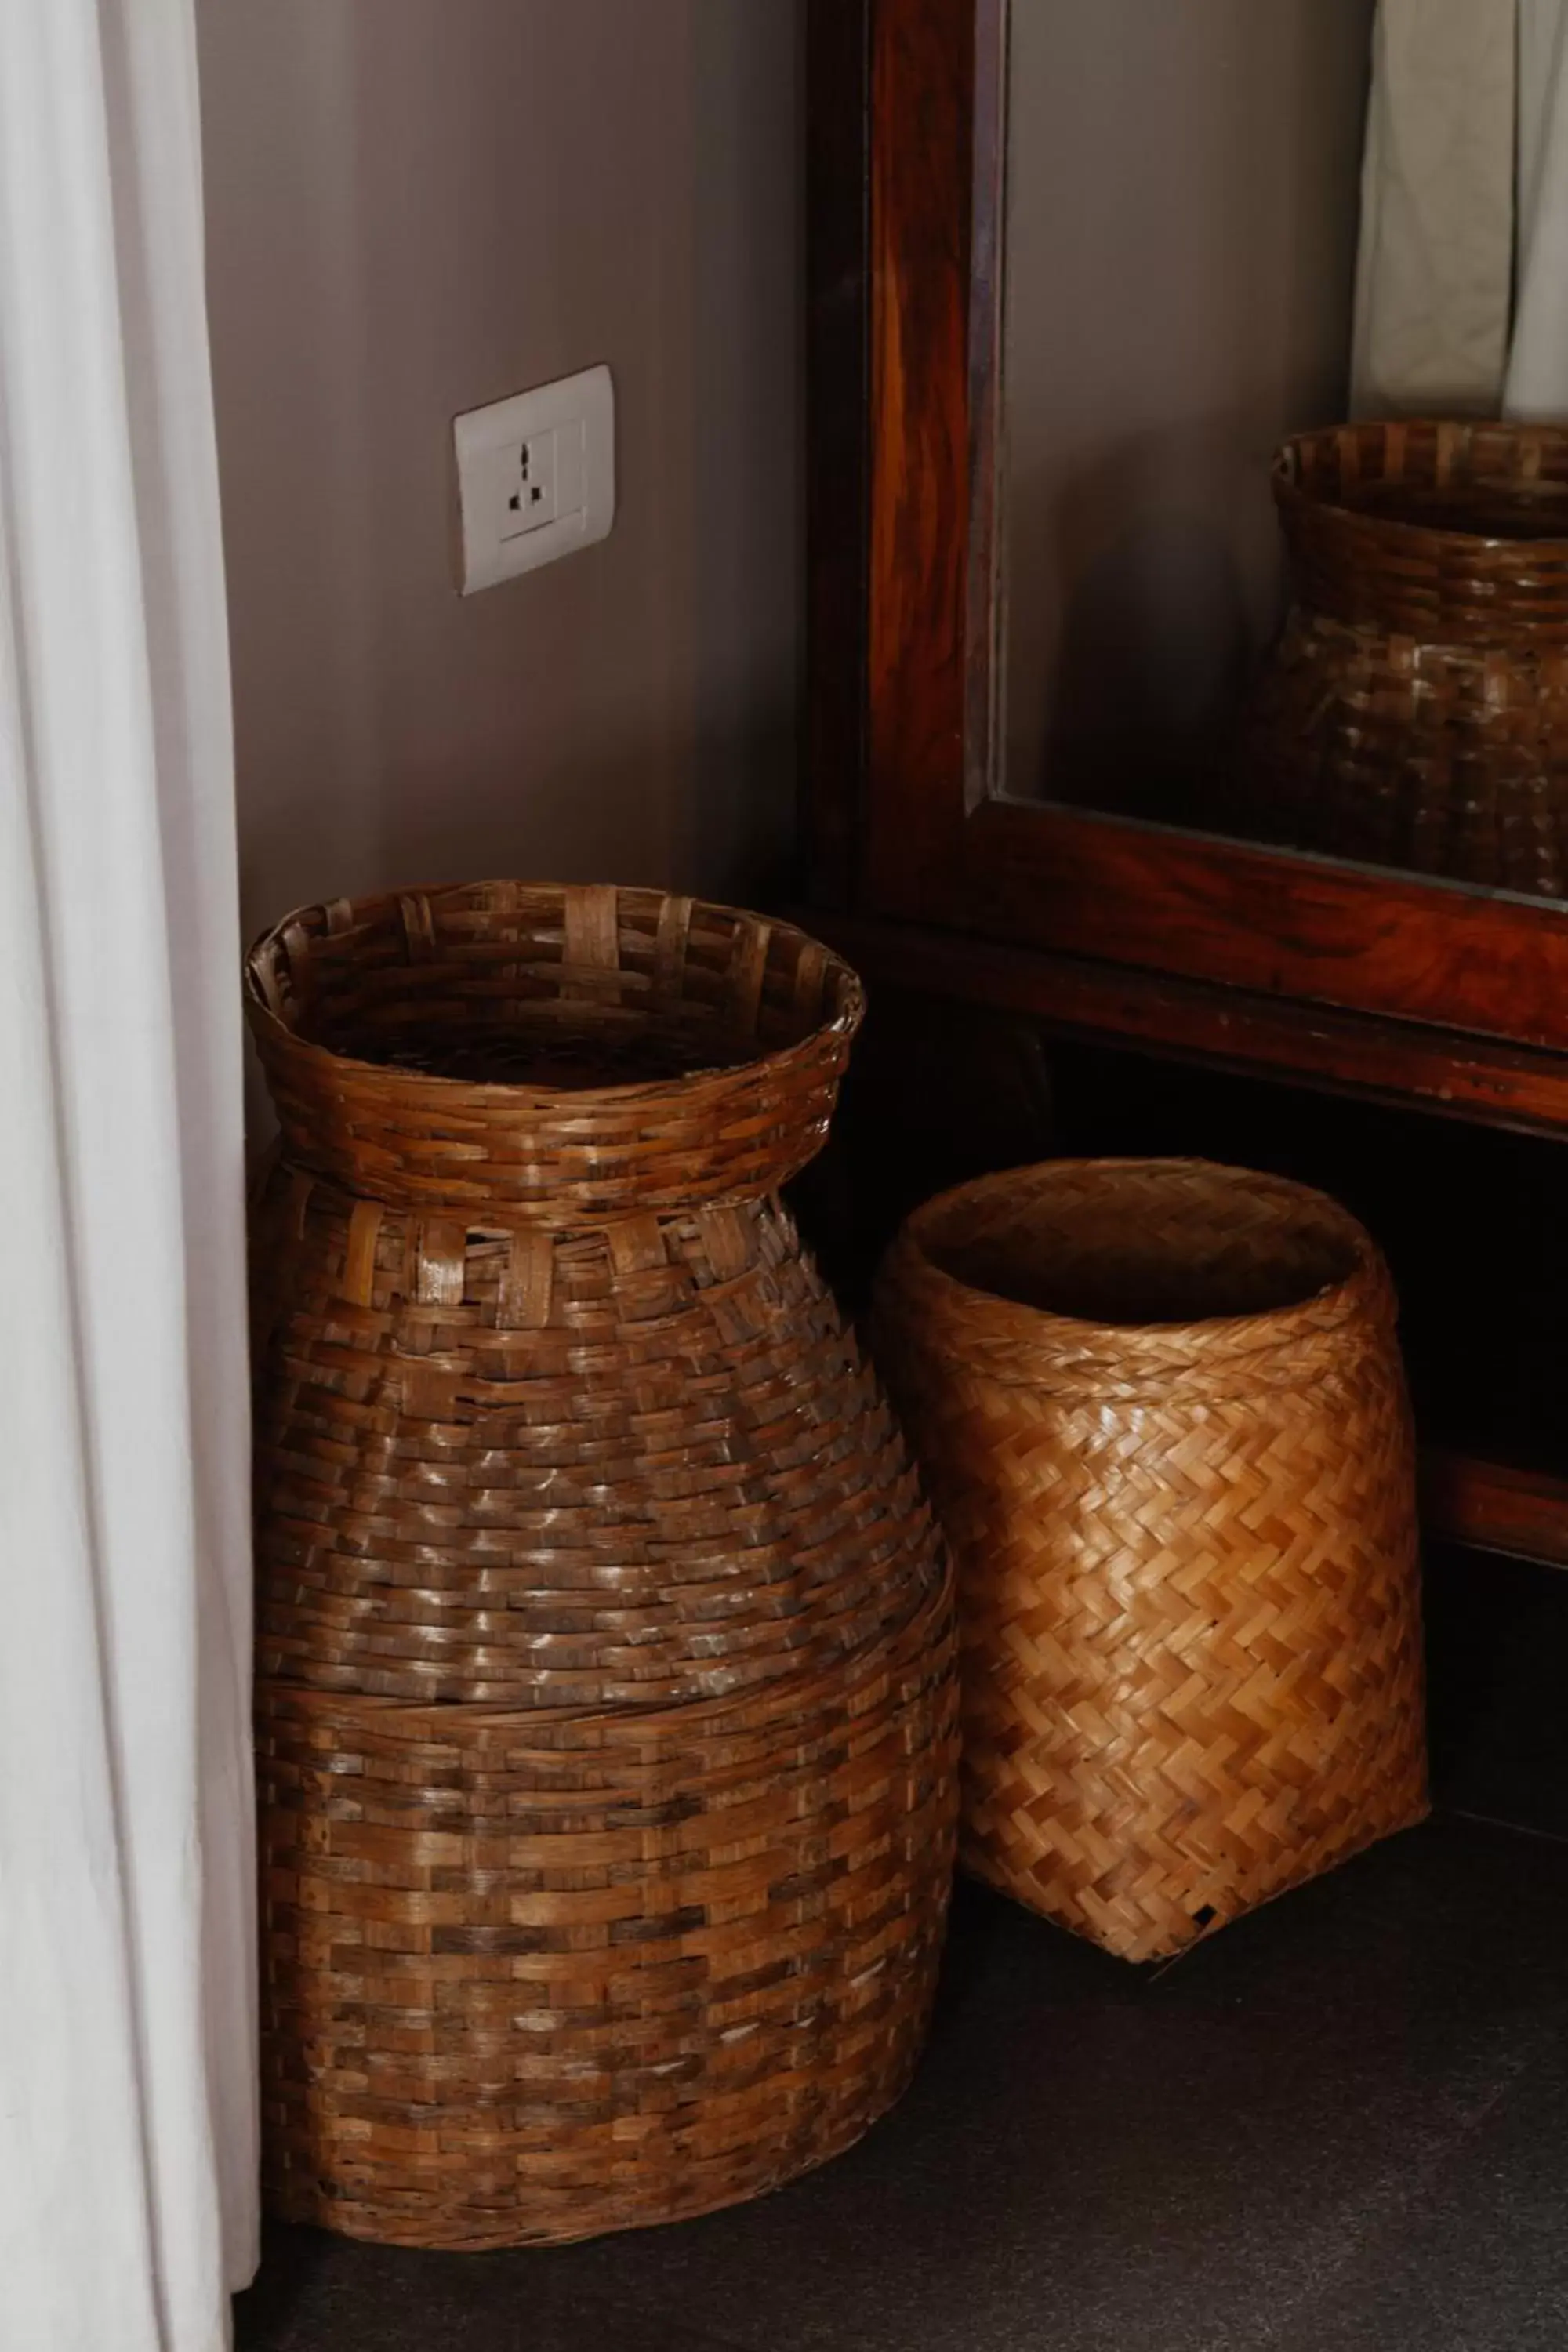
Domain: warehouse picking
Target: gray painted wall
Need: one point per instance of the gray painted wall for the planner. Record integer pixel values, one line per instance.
(1184, 182)
(418, 205)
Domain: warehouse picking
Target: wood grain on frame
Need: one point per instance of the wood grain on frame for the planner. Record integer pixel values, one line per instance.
(1483, 1081)
(1280, 924)
(1491, 1507)
(838, 412)
(922, 95)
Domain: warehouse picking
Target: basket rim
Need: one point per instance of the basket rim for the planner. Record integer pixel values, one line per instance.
(1289, 491)
(1265, 1323)
(270, 1029)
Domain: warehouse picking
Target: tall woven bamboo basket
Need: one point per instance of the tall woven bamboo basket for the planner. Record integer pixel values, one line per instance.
(1415, 712)
(1162, 1415)
(606, 1714)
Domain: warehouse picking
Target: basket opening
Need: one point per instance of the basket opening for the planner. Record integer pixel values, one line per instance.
(515, 986)
(533, 1046)
(1482, 509)
(1127, 1252)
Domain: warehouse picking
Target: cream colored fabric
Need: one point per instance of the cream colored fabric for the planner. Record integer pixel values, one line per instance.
(1538, 369)
(128, 2082)
(1435, 285)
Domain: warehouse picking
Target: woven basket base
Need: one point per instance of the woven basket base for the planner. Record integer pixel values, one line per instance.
(533, 1978)
(1192, 1667)
(610, 2198)
(1176, 1921)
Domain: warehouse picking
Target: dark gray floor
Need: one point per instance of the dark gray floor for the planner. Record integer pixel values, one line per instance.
(1342, 2123)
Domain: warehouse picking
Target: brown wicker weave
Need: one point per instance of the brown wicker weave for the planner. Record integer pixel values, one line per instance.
(1416, 710)
(632, 1465)
(565, 1452)
(1161, 1411)
(535, 1976)
(557, 1057)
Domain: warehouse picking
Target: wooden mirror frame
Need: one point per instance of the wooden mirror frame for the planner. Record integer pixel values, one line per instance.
(1343, 975)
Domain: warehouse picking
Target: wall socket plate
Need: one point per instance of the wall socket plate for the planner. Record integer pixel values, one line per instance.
(536, 476)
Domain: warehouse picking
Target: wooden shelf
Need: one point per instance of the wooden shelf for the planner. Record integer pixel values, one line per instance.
(1488, 1506)
(1413, 1063)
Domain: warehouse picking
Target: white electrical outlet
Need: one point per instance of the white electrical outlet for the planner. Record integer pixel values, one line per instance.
(536, 476)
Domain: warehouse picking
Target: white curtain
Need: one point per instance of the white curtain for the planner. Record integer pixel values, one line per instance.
(1537, 381)
(1462, 287)
(127, 2073)
(1433, 287)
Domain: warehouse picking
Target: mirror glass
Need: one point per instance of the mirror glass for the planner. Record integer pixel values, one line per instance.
(1181, 208)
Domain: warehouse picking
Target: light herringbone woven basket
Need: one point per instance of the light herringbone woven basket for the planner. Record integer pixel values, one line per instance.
(1162, 1413)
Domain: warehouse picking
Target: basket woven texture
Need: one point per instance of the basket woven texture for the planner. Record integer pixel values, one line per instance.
(1415, 712)
(607, 1728)
(1162, 1413)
